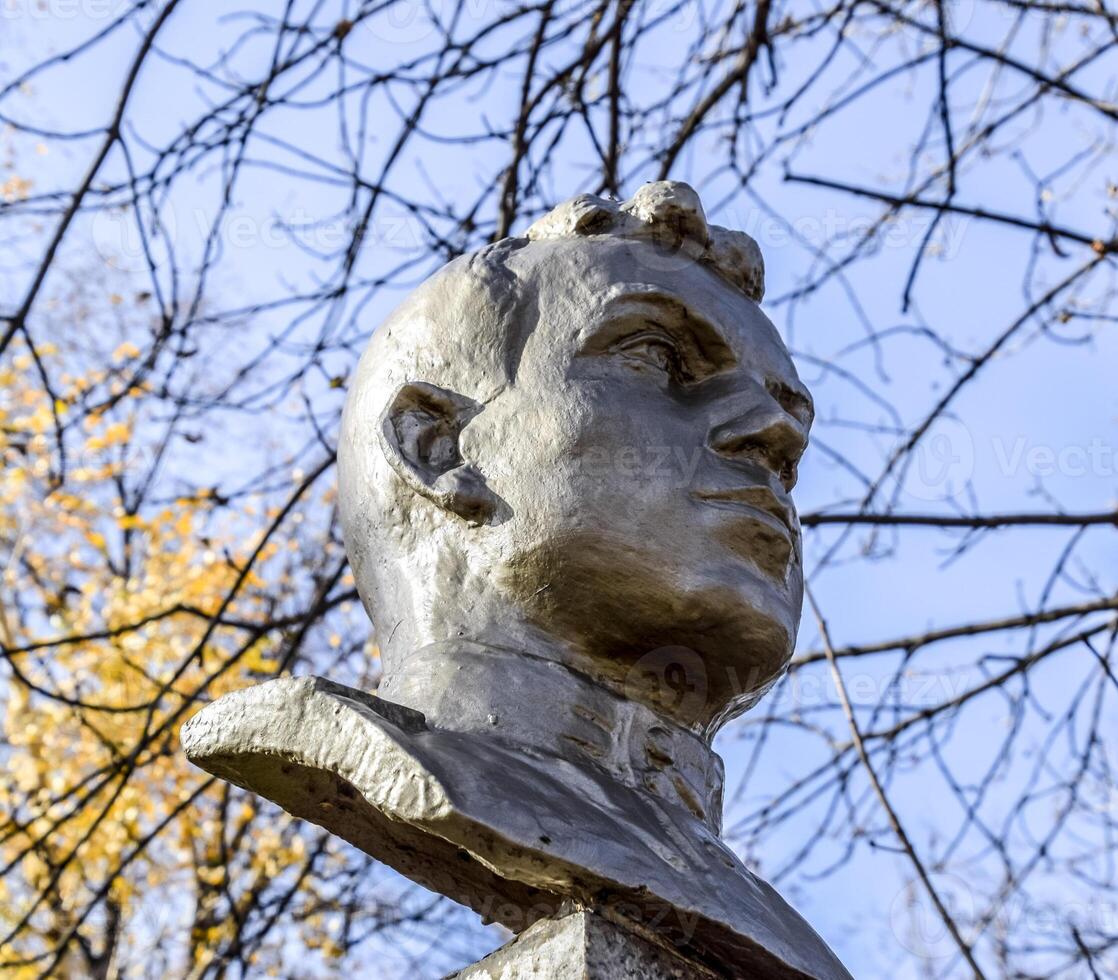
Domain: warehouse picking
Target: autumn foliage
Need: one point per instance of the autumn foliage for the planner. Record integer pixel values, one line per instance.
(119, 621)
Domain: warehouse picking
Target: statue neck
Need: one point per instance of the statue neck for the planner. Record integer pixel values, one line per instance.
(548, 710)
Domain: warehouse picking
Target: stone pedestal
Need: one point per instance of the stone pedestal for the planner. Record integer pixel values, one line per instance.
(582, 946)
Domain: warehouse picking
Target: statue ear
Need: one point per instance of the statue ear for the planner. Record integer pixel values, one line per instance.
(419, 435)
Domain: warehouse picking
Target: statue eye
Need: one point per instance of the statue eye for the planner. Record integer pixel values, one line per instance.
(653, 350)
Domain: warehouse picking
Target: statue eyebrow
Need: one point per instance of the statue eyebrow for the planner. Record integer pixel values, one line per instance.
(676, 316)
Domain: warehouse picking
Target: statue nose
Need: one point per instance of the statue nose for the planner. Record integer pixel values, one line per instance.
(764, 434)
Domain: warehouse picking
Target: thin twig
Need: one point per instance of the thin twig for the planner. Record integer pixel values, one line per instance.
(883, 799)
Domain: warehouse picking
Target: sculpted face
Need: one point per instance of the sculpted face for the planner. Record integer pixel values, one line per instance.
(617, 499)
(646, 452)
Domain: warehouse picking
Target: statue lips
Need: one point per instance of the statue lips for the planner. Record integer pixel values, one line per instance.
(770, 532)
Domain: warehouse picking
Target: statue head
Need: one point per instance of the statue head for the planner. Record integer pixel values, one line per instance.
(579, 445)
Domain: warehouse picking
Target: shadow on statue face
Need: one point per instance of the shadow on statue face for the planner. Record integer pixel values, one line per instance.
(645, 453)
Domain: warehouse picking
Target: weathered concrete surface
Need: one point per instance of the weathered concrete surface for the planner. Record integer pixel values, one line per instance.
(582, 946)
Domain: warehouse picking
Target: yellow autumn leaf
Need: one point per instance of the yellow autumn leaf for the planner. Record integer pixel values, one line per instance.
(125, 351)
(117, 432)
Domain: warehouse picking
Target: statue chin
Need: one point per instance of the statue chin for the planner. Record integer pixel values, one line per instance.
(697, 645)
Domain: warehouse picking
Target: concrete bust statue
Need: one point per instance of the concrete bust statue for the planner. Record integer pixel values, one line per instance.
(565, 470)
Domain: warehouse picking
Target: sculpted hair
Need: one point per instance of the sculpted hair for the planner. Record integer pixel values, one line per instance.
(670, 214)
